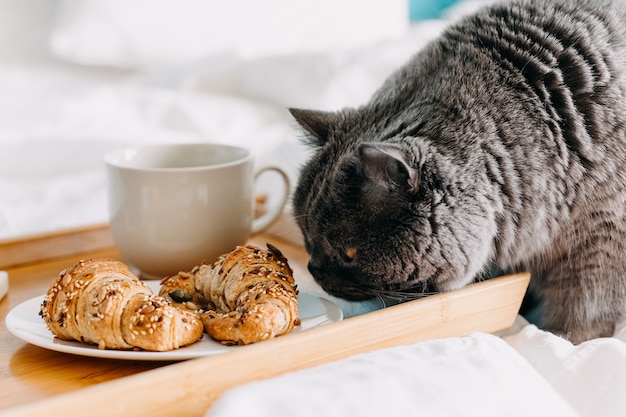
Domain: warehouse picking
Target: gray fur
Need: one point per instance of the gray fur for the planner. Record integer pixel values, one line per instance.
(503, 142)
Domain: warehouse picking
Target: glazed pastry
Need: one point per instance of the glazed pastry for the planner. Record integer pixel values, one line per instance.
(246, 296)
(100, 301)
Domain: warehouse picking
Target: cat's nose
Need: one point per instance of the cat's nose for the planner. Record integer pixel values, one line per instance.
(314, 268)
(316, 263)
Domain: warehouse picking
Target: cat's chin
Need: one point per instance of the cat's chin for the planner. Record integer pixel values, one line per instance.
(346, 292)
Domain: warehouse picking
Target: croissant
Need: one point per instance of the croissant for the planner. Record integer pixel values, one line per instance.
(99, 301)
(246, 296)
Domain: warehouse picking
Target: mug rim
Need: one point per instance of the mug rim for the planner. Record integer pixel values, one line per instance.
(117, 158)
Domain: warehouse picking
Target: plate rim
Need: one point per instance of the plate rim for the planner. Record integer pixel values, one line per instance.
(41, 336)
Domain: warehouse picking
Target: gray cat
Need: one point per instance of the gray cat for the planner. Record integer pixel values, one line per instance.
(501, 143)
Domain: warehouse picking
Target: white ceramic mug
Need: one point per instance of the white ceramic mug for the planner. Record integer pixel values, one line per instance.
(174, 206)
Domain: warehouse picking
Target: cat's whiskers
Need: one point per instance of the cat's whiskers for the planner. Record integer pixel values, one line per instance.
(421, 290)
(287, 227)
(284, 234)
(300, 216)
(402, 296)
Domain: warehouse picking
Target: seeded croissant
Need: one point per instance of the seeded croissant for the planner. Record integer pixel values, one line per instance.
(246, 296)
(99, 301)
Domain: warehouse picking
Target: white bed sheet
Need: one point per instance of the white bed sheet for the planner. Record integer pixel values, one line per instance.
(528, 373)
(57, 120)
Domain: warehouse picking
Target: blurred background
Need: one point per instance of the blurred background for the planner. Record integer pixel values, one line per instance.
(81, 77)
(26, 24)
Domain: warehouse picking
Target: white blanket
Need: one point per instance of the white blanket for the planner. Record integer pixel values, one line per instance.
(57, 119)
(529, 373)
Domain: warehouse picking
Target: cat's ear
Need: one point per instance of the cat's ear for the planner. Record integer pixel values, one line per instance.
(317, 123)
(386, 165)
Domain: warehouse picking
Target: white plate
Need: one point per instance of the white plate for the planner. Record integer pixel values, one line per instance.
(24, 322)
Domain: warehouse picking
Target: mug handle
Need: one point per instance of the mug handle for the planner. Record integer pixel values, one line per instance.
(263, 222)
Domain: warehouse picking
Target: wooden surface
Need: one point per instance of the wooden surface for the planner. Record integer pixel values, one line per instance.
(35, 381)
(50, 246)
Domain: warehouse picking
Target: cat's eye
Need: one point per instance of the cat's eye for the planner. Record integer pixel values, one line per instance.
(349, 254)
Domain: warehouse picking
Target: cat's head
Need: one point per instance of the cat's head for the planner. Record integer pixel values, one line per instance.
(381, 217)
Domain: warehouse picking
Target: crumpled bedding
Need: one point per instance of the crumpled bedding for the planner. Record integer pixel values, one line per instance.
(57, 119)
(527, 373)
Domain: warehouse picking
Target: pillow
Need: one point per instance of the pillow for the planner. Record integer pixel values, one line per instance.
(144, 34)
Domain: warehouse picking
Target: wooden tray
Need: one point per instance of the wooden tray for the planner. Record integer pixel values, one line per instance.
(489, 306)
(53, 245)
